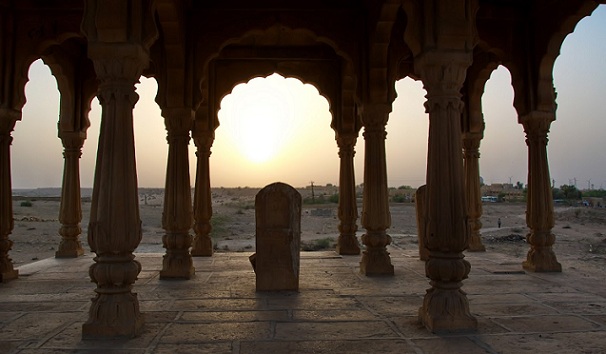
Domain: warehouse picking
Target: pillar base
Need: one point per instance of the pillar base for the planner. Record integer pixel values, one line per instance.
(8, 275)
(348, 245)
(69, 250)
(541, 261)
(177, 267)
(475, 243)
(113, 317)
(476, 248)
(202, 247)
(376, 262)
(446, 310)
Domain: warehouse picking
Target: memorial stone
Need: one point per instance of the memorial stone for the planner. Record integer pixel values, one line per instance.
(278, 238)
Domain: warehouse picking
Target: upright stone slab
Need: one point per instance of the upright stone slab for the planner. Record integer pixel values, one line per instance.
(278, 239)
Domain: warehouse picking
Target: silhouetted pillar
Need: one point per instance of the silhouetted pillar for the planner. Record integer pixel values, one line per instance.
(70, 214)
(471, 153)
(203, 211)
(376, 218)
(445, 306)
(8, 118)
(119, 35)
(539, 207)
(421, 224)
(348, 208)
(177, 217)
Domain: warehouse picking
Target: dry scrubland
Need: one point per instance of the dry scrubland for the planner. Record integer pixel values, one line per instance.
(580, 232)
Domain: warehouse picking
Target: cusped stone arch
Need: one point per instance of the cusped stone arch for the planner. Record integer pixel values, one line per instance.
(297, 53)
(35, 35)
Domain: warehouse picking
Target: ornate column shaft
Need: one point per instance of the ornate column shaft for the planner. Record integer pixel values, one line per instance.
(471, 153)
(114, 231)
(70, 213)
(177, 217)
(348, 208)
(8, 118)
(119, 35)
(203, 210)
(539, 207)
(445, 306)
(376, 218)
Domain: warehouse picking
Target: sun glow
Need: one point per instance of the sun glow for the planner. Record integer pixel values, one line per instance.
(260, 118)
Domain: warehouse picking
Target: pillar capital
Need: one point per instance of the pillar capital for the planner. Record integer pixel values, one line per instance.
(536, 125)
(375, 116)
(443, 72)
(471, 145)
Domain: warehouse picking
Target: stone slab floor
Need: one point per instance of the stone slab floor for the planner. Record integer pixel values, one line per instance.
(336, 310)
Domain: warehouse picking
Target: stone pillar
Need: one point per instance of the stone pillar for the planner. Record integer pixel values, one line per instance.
(177, 216)
(471, 153)
(203, 210)
(8, 118)
(114, 231)
(421, 224)
(376, 218)
(445, 306)
(119, 35)
(70, 213)
(348, 208)
(539, 207)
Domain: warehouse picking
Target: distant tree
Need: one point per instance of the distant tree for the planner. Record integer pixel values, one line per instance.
(519, 185)
(557, 193)
(570, 192)
(595, 193)
(404, 187)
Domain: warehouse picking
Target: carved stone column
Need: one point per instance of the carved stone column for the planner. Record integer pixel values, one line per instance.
(203, 210)
(348, 208)
(539, 207)
(8, 118)
(70, 213)
(445, 306)
(376, 218)
(177, 217)
(114, 231)
(471, 153)
(119, 35)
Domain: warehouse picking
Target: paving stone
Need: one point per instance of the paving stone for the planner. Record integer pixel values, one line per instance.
(32, 326)
(217, 304)
(581, 342)
(567, 297)
(411, 327)
(71, 337)
(328, 347)
(499, 299)
(447, 345)
(332, 330)
(234, 316)
(579, 307)
(207, 332)
(557, 323)
(511, 309)
(334, 315)
(198, 348)
(313, 303)
(393, 305)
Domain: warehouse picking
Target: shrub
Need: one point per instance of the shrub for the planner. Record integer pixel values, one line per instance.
(26, 203)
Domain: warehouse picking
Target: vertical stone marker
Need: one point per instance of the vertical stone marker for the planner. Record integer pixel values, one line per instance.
(278, 239)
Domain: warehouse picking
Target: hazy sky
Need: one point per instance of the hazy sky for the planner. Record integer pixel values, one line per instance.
(297, 145)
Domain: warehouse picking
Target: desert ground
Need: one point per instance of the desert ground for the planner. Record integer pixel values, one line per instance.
(580, 231)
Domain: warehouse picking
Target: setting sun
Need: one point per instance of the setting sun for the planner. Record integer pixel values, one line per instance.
(259, 118)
